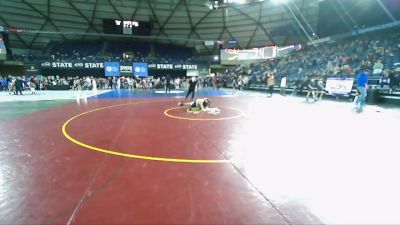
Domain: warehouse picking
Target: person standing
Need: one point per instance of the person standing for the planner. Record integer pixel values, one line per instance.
(192, 87)
(320, 89)
(362, 86)
(4, 84)
(283, 85)
(234, 83)
(168, 84)
(214, 81)
(143, 84)
(88, 83)
(177, 83)
(130, 83)
(32, 86)
(113, 83)
(11, 86)
(310, 84)
(119, 83)
(240, 84)
(18, 86)
(94, 84)
(271, 83)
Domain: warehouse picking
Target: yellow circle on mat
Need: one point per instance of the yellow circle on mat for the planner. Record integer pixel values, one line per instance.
(113, 152)
(166, 112)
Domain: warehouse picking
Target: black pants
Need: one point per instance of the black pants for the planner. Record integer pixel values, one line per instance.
(190, 91)
(18, 89)
(167, 88)
(270, 89)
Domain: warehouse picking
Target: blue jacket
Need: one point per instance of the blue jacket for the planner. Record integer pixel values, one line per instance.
(362, 79)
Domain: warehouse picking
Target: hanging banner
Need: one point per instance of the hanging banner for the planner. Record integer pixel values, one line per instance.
(234, 56)
(73, 65)
(339, 86)
(111, 69)
(126, 70)
(164, 66)
(140, 69)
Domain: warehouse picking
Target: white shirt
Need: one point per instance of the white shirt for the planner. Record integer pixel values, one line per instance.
(199, 103)
(283, 82)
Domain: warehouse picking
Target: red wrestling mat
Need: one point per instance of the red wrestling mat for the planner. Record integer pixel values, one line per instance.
(162, 131)
(52, 180)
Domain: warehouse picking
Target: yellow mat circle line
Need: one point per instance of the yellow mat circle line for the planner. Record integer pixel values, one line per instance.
(108, 151)
(202, 119)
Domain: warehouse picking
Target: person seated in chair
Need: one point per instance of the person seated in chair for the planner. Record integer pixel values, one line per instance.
(384, 81)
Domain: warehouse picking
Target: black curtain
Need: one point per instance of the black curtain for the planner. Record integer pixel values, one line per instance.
(72, 72)
(164, 73)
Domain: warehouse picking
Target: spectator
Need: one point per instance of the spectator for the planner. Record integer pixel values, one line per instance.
(283, 86)
(177, 83)
(3, 84)
(384, 81)
(362, 86)
(18, 86)
(378, 67)
(168, 84)
(240, 84)
(310, 84)
(94, 85)
(214, 81)
(319, 89)
(32, 86)
(271, 83)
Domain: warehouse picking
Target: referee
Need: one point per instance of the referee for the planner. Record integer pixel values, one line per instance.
(192, 87)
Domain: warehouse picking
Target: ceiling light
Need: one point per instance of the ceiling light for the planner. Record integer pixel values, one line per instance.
(239, 1)
(235, 1)
(279, 1)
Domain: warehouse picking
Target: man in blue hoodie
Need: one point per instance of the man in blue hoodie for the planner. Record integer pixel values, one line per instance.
(4, 84)
(362, 86)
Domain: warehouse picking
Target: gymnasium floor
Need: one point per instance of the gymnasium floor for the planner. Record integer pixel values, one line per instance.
(125, 157)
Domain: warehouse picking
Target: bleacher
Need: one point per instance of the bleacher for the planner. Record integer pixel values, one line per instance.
(112, 50)
(339, 59)
(139, 50)
(76, 49)
(174, 54)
